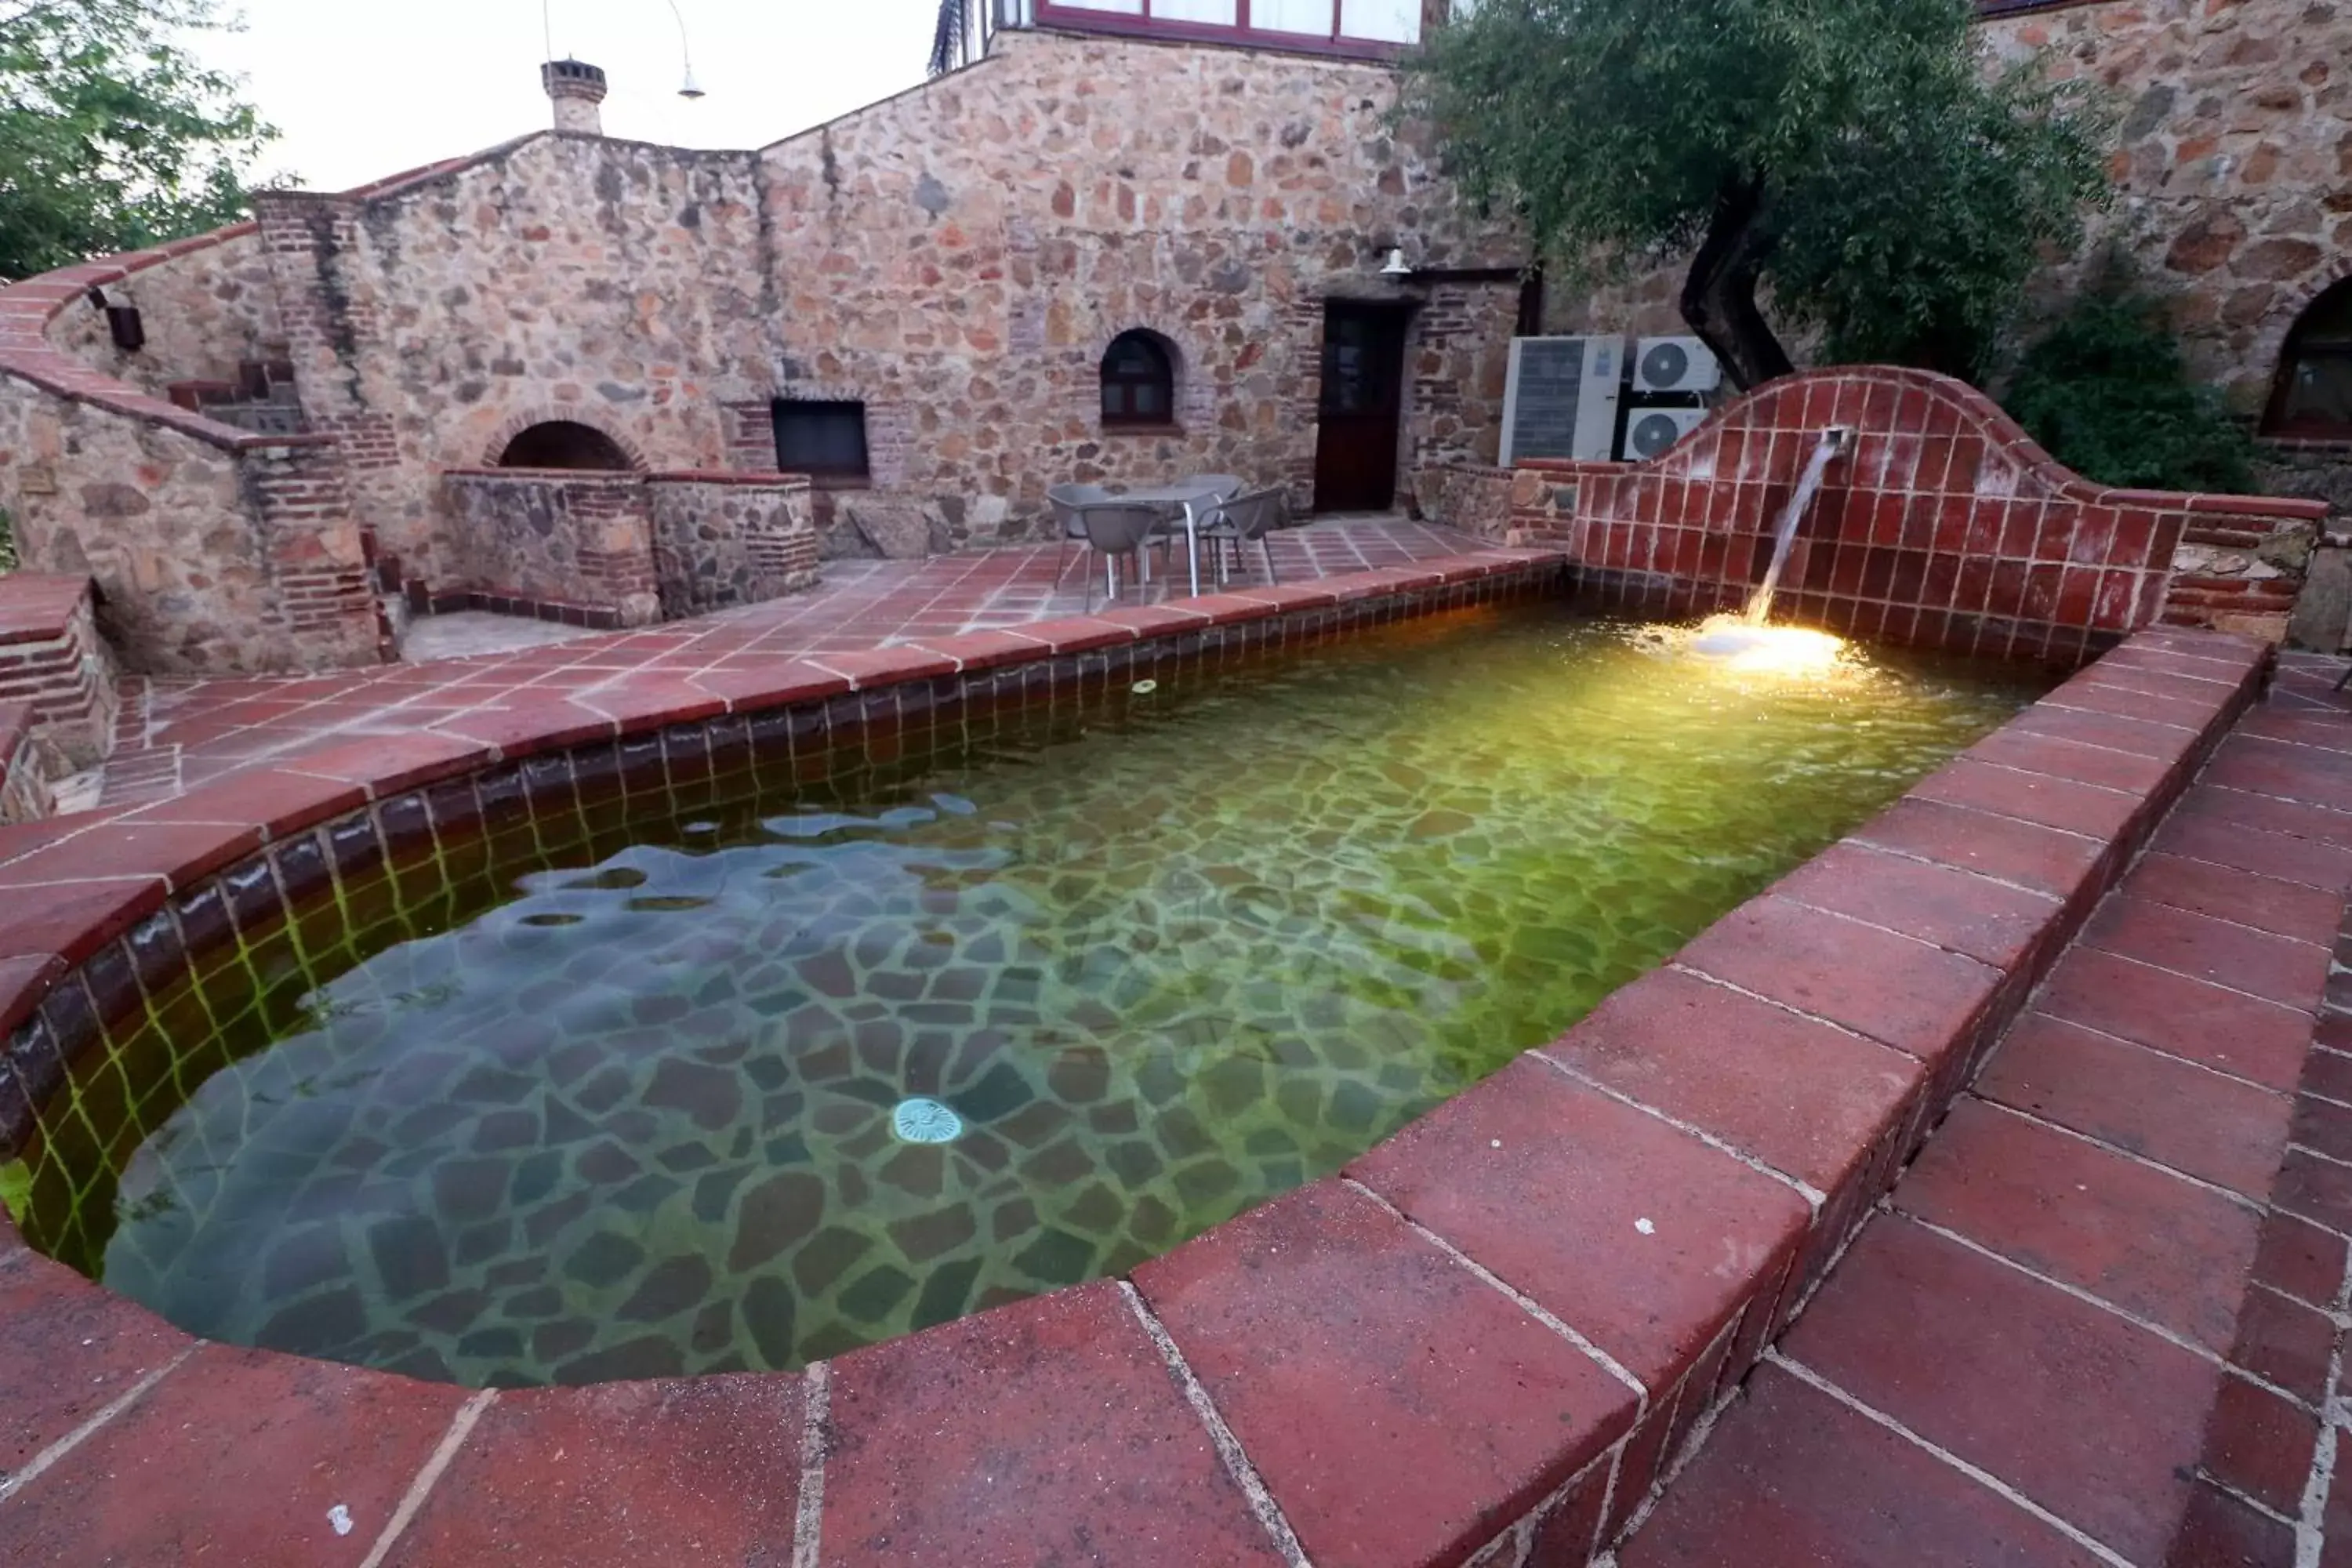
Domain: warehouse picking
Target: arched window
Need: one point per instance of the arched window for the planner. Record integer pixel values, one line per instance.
(563, 444)
(1139, 381)
(2313, 394)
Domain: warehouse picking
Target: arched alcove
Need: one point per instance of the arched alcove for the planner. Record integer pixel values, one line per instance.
(2311, 397)
(563, 444)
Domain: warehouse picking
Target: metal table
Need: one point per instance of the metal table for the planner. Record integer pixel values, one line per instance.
(1190, 500)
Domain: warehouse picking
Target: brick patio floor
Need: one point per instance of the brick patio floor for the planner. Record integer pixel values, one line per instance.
(2101, 1319)
(176, 734)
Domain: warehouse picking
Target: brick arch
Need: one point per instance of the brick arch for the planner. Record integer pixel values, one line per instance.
(1194, 396)
(523, 419)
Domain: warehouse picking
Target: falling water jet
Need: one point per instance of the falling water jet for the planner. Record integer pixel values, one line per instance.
(1832, 444)
(1723, 637)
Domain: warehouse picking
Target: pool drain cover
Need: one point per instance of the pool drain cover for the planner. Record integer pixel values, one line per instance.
(920, 1120)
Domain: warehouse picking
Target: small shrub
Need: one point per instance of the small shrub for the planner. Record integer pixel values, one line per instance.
(2107, 391)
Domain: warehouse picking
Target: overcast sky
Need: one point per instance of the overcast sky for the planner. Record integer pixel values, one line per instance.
(362, 89)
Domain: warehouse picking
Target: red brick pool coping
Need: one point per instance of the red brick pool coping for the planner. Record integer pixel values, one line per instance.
(2101, 1316)
(1485, 1337)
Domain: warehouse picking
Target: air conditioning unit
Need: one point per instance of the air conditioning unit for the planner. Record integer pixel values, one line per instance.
(1561, 398)
(1650, 431)
(1675, 364)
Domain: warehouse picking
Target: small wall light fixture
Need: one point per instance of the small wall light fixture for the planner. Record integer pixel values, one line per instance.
(688, 91)
(1396, 266)
(123, 322)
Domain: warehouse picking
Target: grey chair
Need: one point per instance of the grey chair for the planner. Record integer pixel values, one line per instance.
(1245, 519)
(1227, 486)
(1066, 501)
(1116, 528)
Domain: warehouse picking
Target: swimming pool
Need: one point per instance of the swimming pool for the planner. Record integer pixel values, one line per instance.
(808, 1053)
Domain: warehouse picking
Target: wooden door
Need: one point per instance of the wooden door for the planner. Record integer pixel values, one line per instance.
(1361, 406)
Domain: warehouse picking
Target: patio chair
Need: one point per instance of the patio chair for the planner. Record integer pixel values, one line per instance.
(1065, 501)
(1116, 528)
(1243, 520)
(1227, 486)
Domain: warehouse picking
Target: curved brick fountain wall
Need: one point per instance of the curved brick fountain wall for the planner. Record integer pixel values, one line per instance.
(1484, 1342)
(1944, 526)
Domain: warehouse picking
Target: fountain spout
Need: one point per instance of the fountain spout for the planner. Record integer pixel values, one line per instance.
(1834, 440)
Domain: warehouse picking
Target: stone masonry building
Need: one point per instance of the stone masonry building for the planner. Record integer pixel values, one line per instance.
(606, 382)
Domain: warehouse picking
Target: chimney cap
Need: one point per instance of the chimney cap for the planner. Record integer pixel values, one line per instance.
(573, 78)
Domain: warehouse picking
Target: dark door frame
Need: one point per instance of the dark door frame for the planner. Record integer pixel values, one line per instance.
(1359, 406)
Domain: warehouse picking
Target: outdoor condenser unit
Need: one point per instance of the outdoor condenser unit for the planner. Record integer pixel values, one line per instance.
(1650, 431)
(1560, 400)
(1675, 364)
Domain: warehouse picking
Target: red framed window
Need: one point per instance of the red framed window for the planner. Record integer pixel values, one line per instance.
(1334, 27)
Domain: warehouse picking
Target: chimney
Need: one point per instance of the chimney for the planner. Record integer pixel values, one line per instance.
(577, 88)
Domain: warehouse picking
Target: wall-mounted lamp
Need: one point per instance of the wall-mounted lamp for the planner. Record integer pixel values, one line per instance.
(1396, 266)
(123, 322)
(688, 91)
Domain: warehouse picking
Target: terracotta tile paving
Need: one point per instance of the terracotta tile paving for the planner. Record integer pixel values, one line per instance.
(176, 735)
(2100, 1318)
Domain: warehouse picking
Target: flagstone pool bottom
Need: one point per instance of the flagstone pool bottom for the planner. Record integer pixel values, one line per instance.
(617, 1100)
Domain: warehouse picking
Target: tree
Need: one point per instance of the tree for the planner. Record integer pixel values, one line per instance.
(2106, 392)
(1855, 159)
(112, 135)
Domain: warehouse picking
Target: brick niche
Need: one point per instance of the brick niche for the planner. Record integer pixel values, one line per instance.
(618, 549)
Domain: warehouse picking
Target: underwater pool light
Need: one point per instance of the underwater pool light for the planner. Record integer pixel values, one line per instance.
(925, 1121)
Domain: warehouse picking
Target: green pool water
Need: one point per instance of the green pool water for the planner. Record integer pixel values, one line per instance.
(626, 1107)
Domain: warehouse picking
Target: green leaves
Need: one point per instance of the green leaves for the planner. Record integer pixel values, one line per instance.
(2106, 392)
(1907, 192)
(111, 136)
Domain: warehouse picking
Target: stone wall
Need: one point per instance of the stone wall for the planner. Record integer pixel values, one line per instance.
(552, 539)
(564, 276)
(2319, 470)
(1473, 499)
(1941, 526)
(959, 256)
(2234, 171)
(723, 539)
(2236, 160)
(207, 308)
(208, 558)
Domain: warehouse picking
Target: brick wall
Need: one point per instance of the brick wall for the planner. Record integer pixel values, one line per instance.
(722, 539)
(552, 539)
(53, 664)
(315, 550)
(1944, 526)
